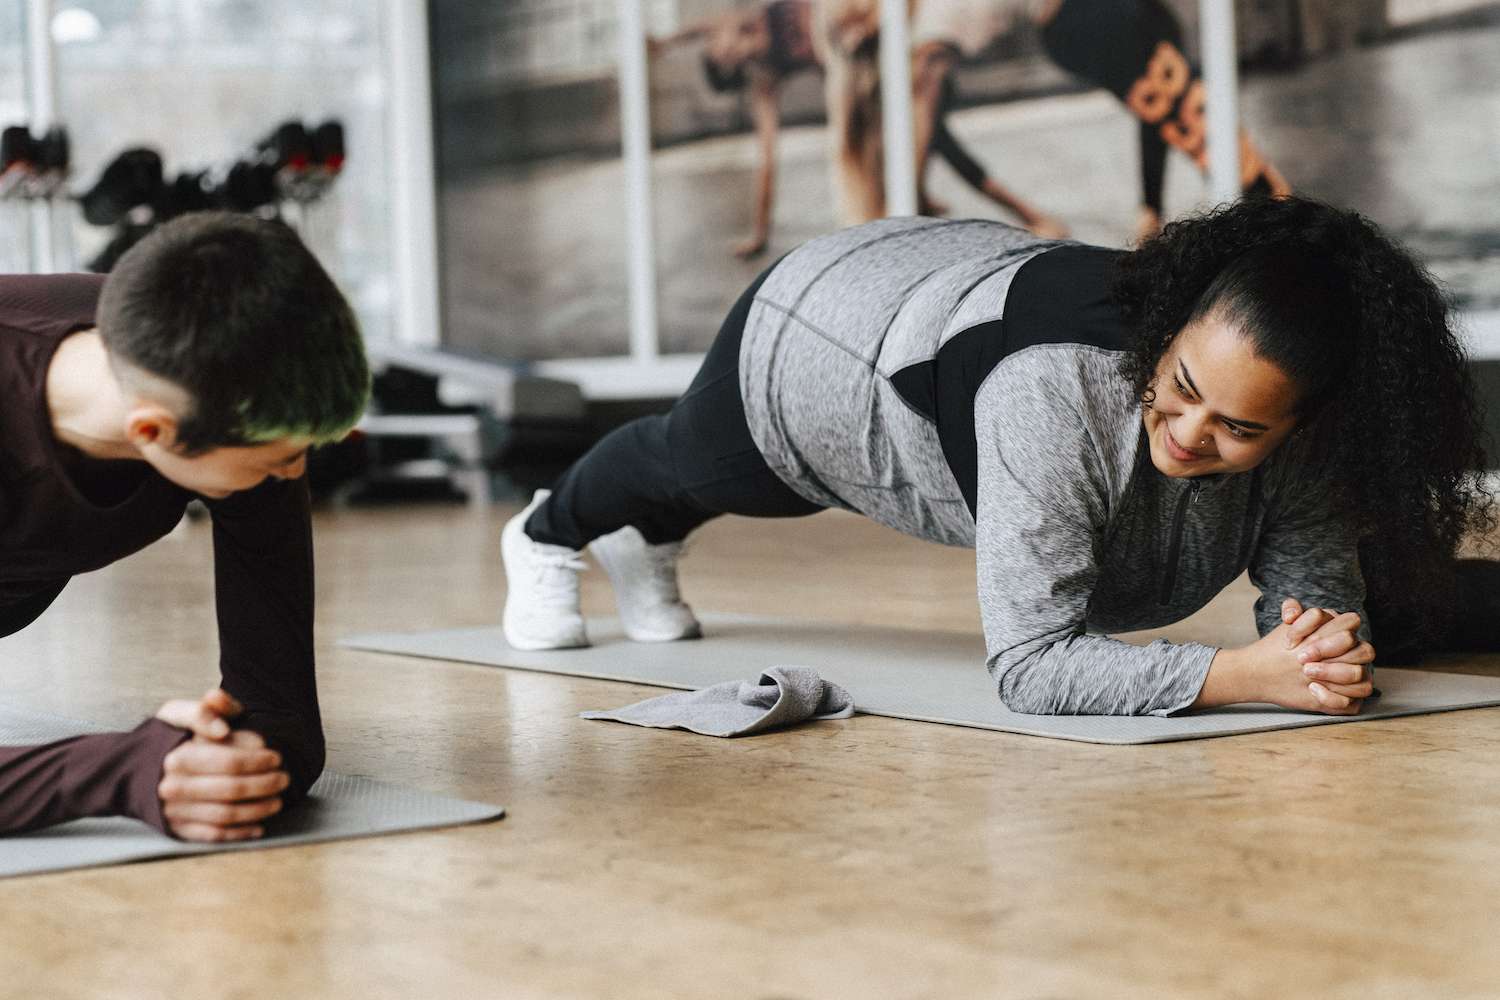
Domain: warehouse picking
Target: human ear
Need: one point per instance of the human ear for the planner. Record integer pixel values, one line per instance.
(151, 425)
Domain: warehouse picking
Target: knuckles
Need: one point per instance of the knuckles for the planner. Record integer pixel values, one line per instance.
(221, 814)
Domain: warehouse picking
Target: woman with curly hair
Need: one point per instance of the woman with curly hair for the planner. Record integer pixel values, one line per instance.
(1272, 386)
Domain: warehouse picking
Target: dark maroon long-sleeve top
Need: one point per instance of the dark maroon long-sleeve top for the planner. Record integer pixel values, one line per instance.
(62, 514)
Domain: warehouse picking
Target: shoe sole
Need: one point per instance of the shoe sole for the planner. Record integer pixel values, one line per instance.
(695, 633)
(536, 646)
(519, 640)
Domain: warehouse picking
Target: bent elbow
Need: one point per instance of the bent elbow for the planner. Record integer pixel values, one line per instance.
(304, 766)
(1019, 688)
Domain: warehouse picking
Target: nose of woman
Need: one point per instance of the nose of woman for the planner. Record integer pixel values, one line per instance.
(1194, 431)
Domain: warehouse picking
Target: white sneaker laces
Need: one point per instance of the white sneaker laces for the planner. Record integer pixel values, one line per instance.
(556, 576)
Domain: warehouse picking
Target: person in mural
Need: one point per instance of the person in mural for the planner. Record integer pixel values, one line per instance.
(759, 48)
(1132, 48)
(1119, 434)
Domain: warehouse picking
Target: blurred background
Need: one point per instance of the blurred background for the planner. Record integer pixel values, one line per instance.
(1388, 106)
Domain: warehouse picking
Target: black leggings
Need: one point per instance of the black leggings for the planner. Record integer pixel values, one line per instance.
(949, 148)
(667, 474)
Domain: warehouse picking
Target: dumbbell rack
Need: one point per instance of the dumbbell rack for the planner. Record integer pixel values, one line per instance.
(285, 175)
(33, 173)
(307, 162)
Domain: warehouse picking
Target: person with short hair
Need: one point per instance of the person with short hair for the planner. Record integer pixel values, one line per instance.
(205, 365)
(1273, 386)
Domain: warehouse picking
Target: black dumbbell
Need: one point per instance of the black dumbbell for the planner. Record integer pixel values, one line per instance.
(248, 186)
(289, 147)
(53, 154)
(53, 149)
(16, 146)
(18, 159)
(328, 146)
(188, 192)
(133, 178)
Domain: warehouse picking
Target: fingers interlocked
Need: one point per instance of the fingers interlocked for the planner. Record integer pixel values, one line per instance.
(1336, 661)
(1336, 637)
(222, 784)
(207, 716)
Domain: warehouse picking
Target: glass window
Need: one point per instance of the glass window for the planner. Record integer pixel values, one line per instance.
(202, 81)
(15, 218)
(12, 64)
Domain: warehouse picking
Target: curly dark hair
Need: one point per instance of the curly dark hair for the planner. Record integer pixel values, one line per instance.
(1388, 416)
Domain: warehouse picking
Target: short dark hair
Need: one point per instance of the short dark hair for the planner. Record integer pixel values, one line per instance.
(239, 314)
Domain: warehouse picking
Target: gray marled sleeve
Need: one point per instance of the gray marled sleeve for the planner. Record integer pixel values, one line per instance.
(1305, 552)
(1042, 507)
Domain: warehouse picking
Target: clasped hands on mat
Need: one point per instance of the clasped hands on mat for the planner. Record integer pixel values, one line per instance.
(925, 676)
(337, 806)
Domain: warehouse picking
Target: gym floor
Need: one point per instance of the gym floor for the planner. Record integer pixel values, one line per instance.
(864, 858)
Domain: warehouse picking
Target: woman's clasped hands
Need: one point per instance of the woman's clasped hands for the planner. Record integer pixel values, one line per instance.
(1314, 661)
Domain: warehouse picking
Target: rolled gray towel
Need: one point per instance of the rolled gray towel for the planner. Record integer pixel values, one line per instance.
(783, 696)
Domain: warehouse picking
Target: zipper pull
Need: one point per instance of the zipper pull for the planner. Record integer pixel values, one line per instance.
(1193, 489)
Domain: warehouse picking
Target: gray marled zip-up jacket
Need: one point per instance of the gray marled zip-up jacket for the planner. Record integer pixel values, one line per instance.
(958, 381)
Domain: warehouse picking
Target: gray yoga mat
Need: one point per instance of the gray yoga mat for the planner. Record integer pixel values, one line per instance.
(902, 673)
(338, 807)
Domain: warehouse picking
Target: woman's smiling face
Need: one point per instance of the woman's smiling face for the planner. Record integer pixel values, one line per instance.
(1219, 407)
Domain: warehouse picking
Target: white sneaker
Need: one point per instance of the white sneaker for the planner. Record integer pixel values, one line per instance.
(541, 588)
(645, 581)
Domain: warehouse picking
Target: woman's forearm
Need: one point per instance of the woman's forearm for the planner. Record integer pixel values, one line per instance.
(1229, 681)
(1097, 675)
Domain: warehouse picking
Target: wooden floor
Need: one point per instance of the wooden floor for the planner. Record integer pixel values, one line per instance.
(867, 858)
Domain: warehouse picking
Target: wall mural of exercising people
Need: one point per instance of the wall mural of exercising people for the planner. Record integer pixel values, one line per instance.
(1062, 117)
